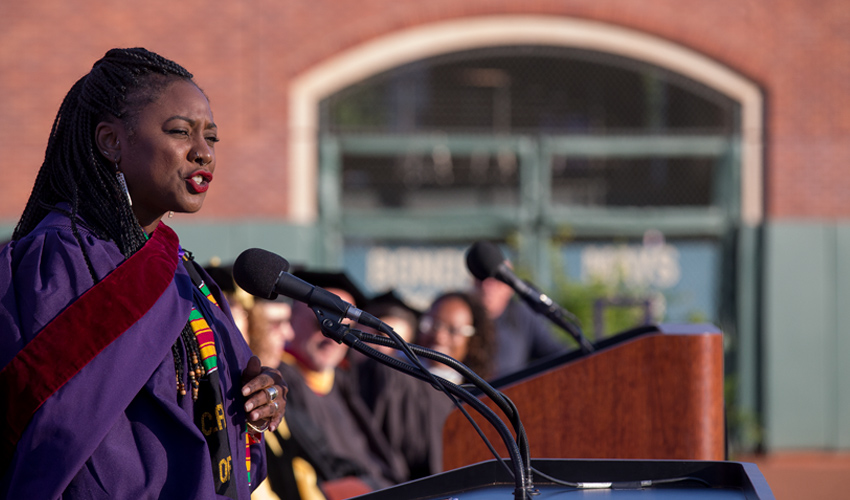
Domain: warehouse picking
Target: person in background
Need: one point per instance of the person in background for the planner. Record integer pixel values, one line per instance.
(291, 463)
(409, 412)
(397, 314)
(354, 456)
(275, 318)
(123, 373)
(264, 323)
(521, 335)
(458, 325)
(294, 463)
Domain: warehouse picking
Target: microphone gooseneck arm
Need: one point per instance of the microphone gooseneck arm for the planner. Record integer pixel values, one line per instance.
(342, 333)
(485, 260)
(500, 399)
(558, 315)
(264, 274)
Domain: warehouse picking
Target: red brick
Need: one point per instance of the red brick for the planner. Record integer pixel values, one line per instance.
(244, 54)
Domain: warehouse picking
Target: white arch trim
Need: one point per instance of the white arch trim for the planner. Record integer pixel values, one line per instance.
(362, 61)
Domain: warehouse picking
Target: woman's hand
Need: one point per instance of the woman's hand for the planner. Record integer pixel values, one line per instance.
(265, 396)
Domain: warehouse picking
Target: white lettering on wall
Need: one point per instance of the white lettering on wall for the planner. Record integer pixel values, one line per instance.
(418, 274)
(637, 266)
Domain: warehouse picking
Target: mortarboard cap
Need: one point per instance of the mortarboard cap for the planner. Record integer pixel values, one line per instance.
(333, 279)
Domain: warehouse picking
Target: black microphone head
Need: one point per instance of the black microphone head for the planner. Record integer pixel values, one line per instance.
(483, 259)
(256, 271)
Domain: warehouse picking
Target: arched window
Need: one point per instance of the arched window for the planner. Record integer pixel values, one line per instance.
(529, 129)
(621, 133)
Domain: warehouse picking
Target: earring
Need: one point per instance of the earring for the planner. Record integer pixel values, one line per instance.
(170, 214)
(123, 184)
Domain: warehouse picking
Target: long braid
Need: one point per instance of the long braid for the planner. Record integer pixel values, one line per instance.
(118, 86)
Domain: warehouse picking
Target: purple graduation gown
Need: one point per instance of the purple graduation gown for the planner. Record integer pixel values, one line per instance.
(117, 428)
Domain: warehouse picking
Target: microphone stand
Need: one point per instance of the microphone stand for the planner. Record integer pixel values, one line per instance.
(501, 400)
(558, 315)
(332, 328)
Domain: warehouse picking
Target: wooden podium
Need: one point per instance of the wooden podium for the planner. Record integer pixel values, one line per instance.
(654, 392)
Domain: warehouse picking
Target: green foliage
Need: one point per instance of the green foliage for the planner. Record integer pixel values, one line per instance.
(745, 432)
(622, 306)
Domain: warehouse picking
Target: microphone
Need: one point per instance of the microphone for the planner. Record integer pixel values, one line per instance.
(485, 260)
(264, 274)
(256, 271)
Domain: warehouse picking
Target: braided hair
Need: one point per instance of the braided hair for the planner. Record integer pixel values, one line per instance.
(119, 85)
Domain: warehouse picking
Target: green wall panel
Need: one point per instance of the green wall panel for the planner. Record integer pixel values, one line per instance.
(803, 330)
(226, 240)
(746, 329)
(297, 244)
(841, 352)
(6, 231)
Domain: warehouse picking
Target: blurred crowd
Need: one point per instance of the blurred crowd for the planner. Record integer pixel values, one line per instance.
(352, 424)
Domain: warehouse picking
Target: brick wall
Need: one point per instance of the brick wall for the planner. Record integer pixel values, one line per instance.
(244, 53)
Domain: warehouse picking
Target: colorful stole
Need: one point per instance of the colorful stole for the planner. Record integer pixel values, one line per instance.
(213, 423)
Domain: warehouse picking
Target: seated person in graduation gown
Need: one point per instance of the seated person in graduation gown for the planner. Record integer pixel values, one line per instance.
(522, 336)
(457, 325)
(409, 411)
(330, 425)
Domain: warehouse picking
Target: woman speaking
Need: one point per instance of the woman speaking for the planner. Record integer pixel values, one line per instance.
(123, 374)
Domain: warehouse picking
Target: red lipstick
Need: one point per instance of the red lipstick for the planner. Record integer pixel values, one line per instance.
(199, 181)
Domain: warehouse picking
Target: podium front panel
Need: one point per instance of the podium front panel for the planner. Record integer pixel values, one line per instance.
(653, 393)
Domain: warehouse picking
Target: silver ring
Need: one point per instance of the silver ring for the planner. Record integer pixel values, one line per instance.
(272, 393)
(276, 406)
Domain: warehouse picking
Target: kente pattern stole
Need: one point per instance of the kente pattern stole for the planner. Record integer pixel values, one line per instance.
(209, 408)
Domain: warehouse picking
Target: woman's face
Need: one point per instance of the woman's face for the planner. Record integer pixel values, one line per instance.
(447, 328)
(169, 159)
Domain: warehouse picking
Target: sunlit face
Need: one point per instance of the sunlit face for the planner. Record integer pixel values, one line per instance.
(169, 158)
(494, 295)
(309, 345)
(278, 316)
(447, 328)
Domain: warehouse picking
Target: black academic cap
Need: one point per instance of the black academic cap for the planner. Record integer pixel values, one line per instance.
(388, 301)
(332, 279)
(283, 299)
(223, 277)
